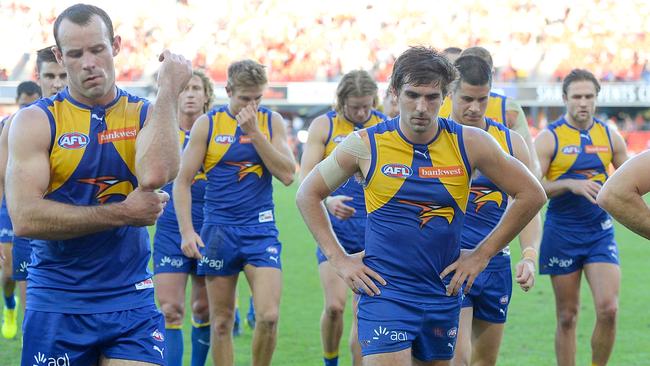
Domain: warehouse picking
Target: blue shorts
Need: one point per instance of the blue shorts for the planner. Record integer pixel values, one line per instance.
(6, 228)
(490, 295)
(563, 254)
(390, 325)
(351, 233)
(229, 248)
(21, 253)
(80, 339)
(167, 254)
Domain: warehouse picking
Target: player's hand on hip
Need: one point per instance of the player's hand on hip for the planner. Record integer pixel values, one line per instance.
(357, 275)
(466, 268)
(247, 118)
(337, 207)
(586, 188)
(190, 244)
(175, 72)
(525, 274)
(143, 208)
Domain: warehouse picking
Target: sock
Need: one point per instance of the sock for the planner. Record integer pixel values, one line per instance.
(331, 358)
(174, 345)
(10, 302)
(200, 342)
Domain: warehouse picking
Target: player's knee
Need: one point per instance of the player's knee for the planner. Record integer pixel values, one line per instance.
(200, 310)
(568, 318)
(222, 325)
(267, 319)
(173, 312)
(334, 310)
(607, 311)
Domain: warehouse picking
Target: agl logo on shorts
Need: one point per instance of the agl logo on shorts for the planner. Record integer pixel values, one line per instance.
(396, 170)
(73, 140)
(41, 359)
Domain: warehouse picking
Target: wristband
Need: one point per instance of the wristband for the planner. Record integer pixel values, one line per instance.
(532, 255)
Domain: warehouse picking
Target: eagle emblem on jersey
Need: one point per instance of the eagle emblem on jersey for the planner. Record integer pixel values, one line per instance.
(109, 187)
(429, 210)
(246, 168)
(483, 195)
(592, 174)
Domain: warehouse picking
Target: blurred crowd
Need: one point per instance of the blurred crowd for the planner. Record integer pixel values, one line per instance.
(530, 40)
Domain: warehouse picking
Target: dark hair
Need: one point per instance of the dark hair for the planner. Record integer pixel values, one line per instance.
(579, 75)
(44, 55)
(81, 14)
(452, 50)
(420, 66)
(473, 70)
(479, 52)
(28, 87)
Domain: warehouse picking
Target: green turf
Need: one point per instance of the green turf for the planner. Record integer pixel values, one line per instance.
(529, 332)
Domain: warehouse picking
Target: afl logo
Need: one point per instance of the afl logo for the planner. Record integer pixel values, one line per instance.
(396, 170)
(571, 150)
(73, 140)
(224, 139)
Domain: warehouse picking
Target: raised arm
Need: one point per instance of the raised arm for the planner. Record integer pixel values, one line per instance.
(157, 149)
(275, 154)
(193, 157)
(622, 194)
(328, 175)
(28, 177)
(518, 182)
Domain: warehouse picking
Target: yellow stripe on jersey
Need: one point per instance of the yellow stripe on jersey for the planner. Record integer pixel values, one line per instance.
(570, 147)
(72, 131)
(224, 134)
(341, 128)
(496, 109)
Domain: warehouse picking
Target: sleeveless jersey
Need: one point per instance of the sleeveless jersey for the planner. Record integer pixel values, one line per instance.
(416, 195)
(496, 109)
(238, 190)
(487, 203)
(168, 219)
(92, 162)
(579, 154)
(340, 128)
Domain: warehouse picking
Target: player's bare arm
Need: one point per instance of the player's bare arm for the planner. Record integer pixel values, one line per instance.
(4, 151)
(518, 182)
(619, 149)
(531, 236)
(312, 155)
(28, 177)
(340, 166)
(275, 154)
(622, 194)
(157, 150)
(190, 164)
(545, 147)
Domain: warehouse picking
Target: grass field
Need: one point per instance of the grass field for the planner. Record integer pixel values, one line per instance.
(529, 332)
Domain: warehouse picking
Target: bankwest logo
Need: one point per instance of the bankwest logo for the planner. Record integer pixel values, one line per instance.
(594, 149)
(41, 359)
(440, 171)
(117, 135)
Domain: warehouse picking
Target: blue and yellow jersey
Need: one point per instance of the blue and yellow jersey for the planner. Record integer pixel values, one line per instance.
(339, 129)
(92, 162)
(487, 203)
(167, 220)
(238, 190)
(496, 109)
(416, 197)
(579, 154)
